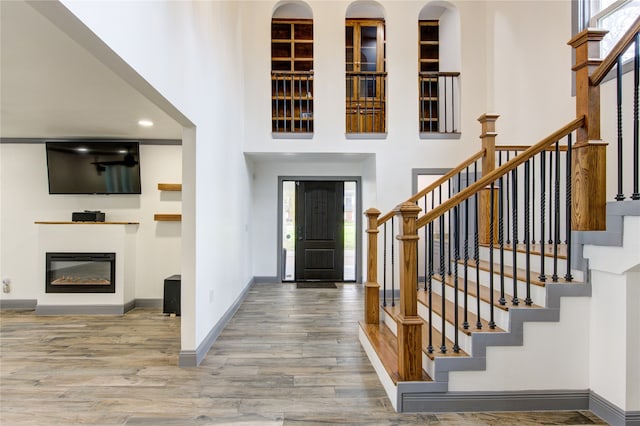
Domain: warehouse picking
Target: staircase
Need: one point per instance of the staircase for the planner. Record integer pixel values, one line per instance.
(466, 279)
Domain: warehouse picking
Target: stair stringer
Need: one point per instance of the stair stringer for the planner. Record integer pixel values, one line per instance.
(418, 396)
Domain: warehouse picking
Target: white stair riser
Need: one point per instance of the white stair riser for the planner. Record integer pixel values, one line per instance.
(501, 317)
(535, 262)
(538, 294)
(464, 341)
(390, 322)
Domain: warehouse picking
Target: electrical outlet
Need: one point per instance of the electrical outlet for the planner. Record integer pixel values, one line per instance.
(6, 285)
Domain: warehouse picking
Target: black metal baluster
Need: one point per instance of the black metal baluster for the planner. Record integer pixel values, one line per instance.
(465, 322)
(636, 146)
(277, 96)
(309, 113)
(453, 106)
(444, 128)
(533, 201)
(430, 106)
(384, 266)
(422, 99)
(393, 272)
(620, 195)
(550, 241)
(443, 346)
(527, 236)
(492, 323)
(476, 251)
(430, 345)
(502, 300)
(449, 248)
(543, 199)
(514, 186)
(300, 109)
(556, 213)
(426, 247)
(284, 103)
(568, 276)
(508, 207)
(456, 255)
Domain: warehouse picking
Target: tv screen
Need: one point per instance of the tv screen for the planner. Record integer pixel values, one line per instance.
(93, 167)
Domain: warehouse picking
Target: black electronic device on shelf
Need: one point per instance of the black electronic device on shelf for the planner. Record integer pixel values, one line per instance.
(88, 216)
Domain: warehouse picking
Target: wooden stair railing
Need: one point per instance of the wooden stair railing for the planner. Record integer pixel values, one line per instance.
(374, 222)
(584, 177)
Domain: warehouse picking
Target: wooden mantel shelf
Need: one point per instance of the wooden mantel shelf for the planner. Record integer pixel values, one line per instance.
(167, 217)
(84, 223)
(170, 186)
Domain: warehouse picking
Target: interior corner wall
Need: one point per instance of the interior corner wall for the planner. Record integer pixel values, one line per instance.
(190, 53)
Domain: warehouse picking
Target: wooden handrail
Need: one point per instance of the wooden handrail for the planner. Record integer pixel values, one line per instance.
(476, 186)
(611, 59)
(525, 147)
(373, 73)
(451, 173)
(439, 73)
(288, 73)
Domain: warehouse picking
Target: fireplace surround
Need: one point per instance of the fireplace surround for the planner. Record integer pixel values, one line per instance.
(80, 272)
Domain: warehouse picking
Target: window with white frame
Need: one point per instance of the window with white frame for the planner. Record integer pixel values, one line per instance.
(616, 16)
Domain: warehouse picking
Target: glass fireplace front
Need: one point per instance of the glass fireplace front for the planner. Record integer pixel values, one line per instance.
(81, 273)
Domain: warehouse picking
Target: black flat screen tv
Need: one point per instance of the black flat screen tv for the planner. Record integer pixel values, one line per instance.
(93, 167)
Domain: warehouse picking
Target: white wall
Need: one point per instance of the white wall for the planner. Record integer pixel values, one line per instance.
(529, 76)
(190, 53)
(25, 199)
(524, 56)
(614, 326)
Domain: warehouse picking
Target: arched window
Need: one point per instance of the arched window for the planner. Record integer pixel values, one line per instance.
(438, 73)
(292, 69)
(365, 68)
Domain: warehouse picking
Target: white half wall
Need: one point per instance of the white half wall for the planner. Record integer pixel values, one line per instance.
(615, 328)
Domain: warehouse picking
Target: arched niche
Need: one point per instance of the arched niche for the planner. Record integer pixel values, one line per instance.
(449, 18)
(365, 9)
(292, 10)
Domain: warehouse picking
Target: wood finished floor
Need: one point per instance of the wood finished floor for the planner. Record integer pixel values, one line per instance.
(288, 357)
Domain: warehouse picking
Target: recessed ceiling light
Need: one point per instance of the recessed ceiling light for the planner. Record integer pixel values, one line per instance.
(145, 123)
(82, 149)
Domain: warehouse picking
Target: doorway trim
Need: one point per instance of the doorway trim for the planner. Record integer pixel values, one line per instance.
(358, 212)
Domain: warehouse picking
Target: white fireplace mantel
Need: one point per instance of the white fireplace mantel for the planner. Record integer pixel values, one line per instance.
(89, 237)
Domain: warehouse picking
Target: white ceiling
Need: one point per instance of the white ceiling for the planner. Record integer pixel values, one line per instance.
(51, 87)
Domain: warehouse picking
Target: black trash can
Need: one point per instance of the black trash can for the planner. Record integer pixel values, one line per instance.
(172, 295)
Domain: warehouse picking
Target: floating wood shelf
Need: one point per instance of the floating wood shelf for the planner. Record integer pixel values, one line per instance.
(170, 186)
(167, 217)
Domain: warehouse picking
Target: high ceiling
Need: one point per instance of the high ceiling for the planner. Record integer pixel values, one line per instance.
(51, 87)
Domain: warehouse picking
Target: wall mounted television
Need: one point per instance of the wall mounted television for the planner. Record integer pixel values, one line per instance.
(93, 167)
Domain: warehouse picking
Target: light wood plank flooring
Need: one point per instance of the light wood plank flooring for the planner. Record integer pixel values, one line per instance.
(288, 357)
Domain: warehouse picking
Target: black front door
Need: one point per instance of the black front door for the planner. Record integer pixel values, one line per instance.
(319, 230)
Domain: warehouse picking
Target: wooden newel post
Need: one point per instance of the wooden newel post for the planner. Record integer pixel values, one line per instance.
(409, 323)
(588, 168)
(371, 287)
(488, 137)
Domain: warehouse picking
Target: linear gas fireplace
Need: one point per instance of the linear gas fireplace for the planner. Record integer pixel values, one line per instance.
(81, 273)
